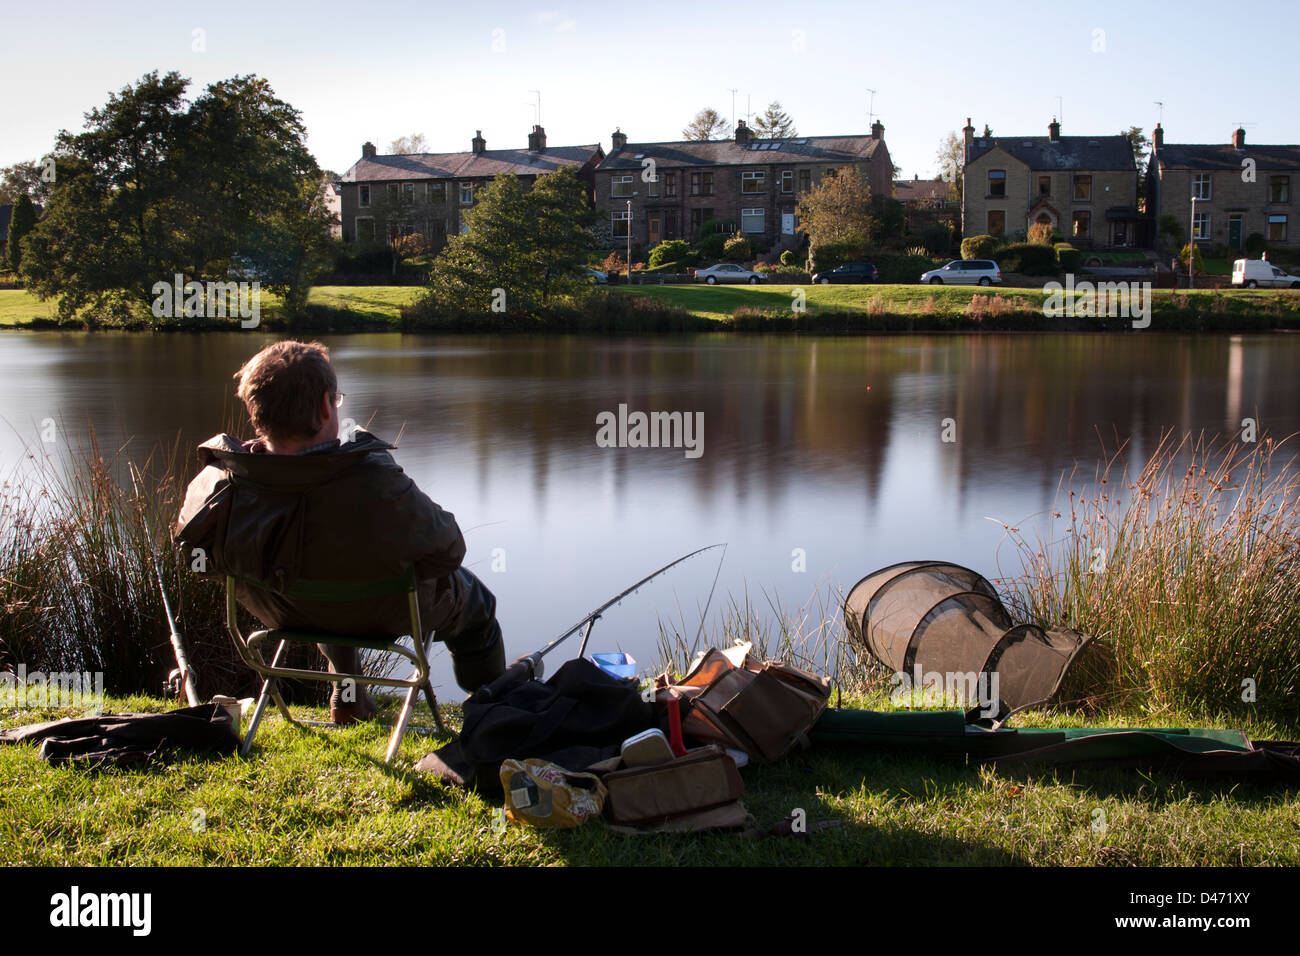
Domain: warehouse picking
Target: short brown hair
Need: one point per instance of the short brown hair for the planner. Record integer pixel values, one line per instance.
(282, 387)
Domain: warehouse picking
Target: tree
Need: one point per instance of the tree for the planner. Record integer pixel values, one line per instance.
(775, 123)
(408, 144)
(952, 162)
(24, 178)
(156, 186)
(837, 210)
(524, 248)
(1139, 143)
(708, 124)
(987, 131)
(21, 221)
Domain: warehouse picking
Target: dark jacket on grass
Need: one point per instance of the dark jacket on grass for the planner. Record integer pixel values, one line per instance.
(346, 512)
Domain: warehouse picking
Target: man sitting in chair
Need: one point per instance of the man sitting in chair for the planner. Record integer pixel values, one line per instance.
(304, 504)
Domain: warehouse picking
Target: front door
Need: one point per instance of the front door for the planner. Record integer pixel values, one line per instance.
(1119, 234)
(1234, 231)
(656, 231)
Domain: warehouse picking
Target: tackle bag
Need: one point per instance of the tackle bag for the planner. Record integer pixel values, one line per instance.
(704, 780)
(764, 708)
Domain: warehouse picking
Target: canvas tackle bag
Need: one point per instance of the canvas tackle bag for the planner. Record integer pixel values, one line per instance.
(705, 779)
(764, 708)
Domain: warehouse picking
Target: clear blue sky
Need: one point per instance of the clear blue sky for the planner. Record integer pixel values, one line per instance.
(380, 70)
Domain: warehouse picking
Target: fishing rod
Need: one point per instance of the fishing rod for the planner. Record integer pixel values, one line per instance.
(530, 666)
(185, 673)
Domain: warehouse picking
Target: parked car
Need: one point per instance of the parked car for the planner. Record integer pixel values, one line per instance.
(596, 277)
(965, 272)
(849, 272)
(1262, 274)
(726, 272)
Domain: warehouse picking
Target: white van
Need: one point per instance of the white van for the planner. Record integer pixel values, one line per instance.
(1262, 274)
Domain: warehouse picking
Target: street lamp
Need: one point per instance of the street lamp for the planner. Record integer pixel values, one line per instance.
(629, 241)
(1191, 249)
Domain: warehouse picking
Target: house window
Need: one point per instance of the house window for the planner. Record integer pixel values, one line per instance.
(1279, 189)
(436, 192)
(363, 195)
(620, 223)
(787, 180)
(1201, 226)
(1277, 228)
(408, 192)
(698, 218)
(1202, 187)
(391, 193)
(805, 180)
(1082, 189)
(753, 181)
(997, 183)
(670, 185)
(701, 184)
(751, 220)
(997, 222)
(365, 229)
(652, 187)
(1082, 223)
(1044, 185)
(670, 223)
(467, 194)
(620, 187)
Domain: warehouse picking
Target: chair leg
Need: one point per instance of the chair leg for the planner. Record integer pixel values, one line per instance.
(399, 730)
(268, 688)
(432, 701)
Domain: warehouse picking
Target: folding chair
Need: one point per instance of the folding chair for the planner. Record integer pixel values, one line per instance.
(250, 648)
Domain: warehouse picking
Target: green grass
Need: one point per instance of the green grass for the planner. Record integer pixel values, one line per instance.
(319, 797)
(19, 305)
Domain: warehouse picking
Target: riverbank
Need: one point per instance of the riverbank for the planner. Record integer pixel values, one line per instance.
(834, 309)
(316, 797)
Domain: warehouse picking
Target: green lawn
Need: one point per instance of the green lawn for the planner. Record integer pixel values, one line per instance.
(319, 797)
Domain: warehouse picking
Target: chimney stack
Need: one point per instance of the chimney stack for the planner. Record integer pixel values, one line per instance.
(367, 150)
(1157, 138)
(478, 144)
(1239, 138)
(877, 130)
(537, 140)
(968, 132)
(619, 139)
(743, 133)
(1054, 131)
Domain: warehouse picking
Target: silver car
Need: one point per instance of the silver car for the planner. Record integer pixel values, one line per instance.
(965, 272)
(727, 272)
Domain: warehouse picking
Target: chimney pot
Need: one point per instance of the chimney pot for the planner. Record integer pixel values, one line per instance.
(743, 133)
(537, 140)
(1239, 138)
(1157, 137)
(619, 139)
(1054, 131)
(478, 144)
(877, 130)
(367, 150)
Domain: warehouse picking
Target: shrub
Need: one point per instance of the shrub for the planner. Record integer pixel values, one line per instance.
(979, 247)
(1040, 233)
(1171, 227)
(937, 239)
(901, 269)
(712, 245)
(613, 263)
(1028, 258)
(792, 258)
(1070, 258)
(832, 254)
(670, 250)
(1184, 252)
(1254, 245)
(737, 249)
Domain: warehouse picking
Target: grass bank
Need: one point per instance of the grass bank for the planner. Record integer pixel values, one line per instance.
(764, 308)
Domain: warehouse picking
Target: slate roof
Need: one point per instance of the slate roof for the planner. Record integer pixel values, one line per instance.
(922, 190)
(467, 165)
(1213, 156)
(1068, 152)
(727, 152)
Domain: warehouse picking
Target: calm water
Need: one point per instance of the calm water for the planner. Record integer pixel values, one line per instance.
(831, 446)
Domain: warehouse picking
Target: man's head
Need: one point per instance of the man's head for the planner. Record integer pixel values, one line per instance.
(290, 391)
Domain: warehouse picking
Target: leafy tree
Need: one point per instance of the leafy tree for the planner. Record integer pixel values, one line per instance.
(156, 186)
(21, 221)
(24, 177)
(952, 162)
(774, 123)
(888, 220)
(405, 145)
(524, 248)
(837, 210)
(988, 132)
(707, 125)
(1138, 141)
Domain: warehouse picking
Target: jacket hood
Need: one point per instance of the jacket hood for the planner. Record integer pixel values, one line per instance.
(287, 471)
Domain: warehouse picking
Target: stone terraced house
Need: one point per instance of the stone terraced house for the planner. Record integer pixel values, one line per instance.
(383, 197)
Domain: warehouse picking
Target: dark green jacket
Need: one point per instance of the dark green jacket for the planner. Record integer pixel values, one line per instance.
(346, 514)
